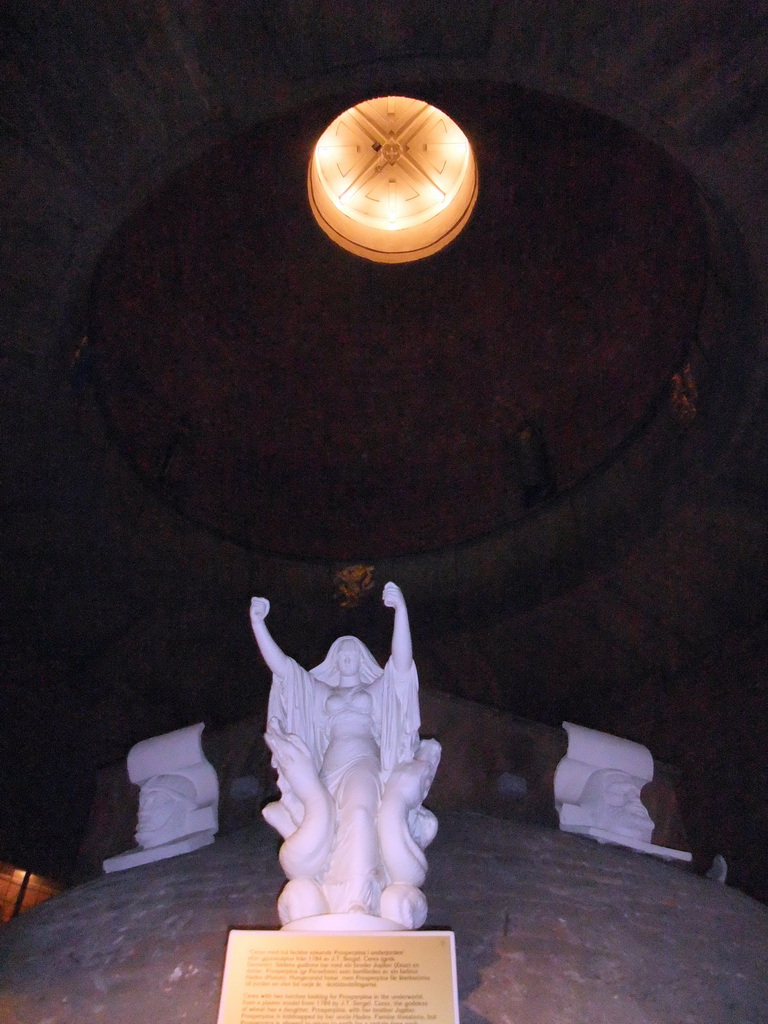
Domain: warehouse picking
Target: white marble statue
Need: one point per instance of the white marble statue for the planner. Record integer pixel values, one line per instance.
(353, 774)
(598, 788)
(178, 799)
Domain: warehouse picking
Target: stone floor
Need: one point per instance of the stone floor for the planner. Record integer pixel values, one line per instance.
(550, 929)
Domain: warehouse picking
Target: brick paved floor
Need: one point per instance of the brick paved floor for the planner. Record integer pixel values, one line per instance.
(550, 929)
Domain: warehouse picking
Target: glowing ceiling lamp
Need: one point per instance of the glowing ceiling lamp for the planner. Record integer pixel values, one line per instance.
(392, 179)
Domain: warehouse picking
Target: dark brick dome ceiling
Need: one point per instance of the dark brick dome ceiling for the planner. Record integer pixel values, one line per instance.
(301, 400)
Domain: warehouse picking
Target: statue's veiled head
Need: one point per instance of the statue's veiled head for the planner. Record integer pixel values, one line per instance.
(348, 662)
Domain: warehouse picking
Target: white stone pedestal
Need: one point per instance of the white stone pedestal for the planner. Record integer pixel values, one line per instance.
(133, 858)
(603, 836)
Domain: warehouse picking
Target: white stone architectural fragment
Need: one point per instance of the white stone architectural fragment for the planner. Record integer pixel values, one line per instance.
(178, 800)
(597, 791)
(353, 774)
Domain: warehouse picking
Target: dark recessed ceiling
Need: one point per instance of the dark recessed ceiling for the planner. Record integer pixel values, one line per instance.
(301, 400)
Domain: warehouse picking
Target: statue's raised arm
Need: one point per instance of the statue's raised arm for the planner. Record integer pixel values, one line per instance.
(400, 718)
(291, 696)
(270, 652)
(402, 651)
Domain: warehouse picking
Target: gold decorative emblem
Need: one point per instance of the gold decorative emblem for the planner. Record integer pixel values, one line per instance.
(352, 584)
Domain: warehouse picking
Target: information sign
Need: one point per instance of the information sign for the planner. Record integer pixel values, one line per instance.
(273, 977)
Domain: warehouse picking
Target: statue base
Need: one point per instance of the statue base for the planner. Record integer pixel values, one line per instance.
(337, 924)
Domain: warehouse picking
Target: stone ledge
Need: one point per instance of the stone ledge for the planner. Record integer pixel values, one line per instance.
(548, 927)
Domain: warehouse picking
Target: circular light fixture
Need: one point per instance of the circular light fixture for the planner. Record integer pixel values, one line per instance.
(392, 179)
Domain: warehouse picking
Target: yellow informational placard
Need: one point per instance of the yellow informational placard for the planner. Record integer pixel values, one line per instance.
(273, 977)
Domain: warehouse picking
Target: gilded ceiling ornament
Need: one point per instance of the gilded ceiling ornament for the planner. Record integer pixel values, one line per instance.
(352, 584)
